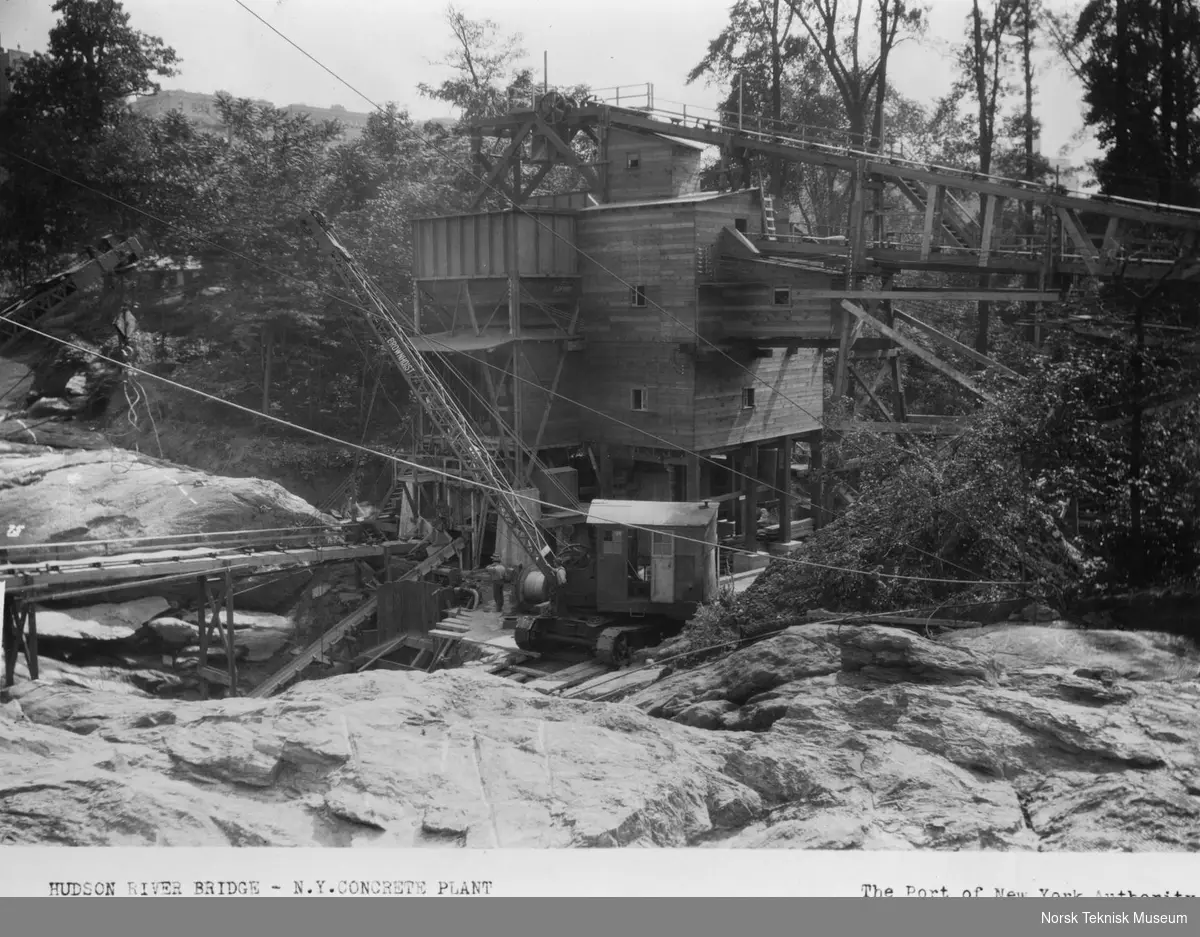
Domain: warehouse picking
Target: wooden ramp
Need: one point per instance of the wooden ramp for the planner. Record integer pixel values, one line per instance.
(330, 637)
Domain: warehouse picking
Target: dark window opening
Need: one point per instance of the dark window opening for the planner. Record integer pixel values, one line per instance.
(633, 161)
(783, 296)
(747, 398)
(637, 399)
(637, 296)
(739, 224)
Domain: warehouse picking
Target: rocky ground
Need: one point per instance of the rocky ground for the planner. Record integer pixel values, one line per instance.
(54, 495)
(1007, 737)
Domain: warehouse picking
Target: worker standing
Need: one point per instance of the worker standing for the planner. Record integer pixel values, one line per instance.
(499, 575)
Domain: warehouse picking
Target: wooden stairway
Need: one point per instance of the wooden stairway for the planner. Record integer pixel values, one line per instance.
(956, 223)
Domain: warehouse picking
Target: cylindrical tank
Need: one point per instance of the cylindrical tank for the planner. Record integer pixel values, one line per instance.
(534, 588)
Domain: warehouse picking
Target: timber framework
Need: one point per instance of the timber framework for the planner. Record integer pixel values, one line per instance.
(658, 332)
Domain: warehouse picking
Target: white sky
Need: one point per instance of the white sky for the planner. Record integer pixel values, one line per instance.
(383, 48)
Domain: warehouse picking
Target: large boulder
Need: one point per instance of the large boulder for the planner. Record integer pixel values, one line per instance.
(51, 495)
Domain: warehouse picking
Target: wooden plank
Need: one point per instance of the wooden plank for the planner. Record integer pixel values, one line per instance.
(908, 429)
(1111, 244)
(956, 345)
(932, 360)
(381, 650)
(497, 170)
(213, 675)
(871, 394)
(342, 628)
(1080, 239)
(989, 224)
(948, 294)
(933, 197)
(20, 577)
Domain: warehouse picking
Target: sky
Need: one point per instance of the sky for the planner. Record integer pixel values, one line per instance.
(384, 48)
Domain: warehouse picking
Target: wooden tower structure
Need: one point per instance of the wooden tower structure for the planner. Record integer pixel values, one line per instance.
(685, 328)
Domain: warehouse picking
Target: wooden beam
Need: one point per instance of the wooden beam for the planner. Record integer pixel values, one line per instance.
(498, 170)
(471, 307)
(908, 429)
(536, 181)
(994, 204)
(783, 484)
(932, 360)
(346, 625)
(845, 343)
(1080, 239)
(933, 217)
(537, 441)
(1111, 244)
(956, 345)
(1165, 216)
(749, 467)
(870, 393)
(950, 294)
(24, 578)
(568, 155)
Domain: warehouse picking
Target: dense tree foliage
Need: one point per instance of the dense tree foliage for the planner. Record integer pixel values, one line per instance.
(1139, 63)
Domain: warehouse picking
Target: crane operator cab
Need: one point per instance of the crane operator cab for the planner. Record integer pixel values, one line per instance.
(647, 562)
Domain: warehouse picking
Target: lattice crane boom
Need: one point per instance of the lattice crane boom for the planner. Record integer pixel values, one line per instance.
(393, 328)
(110, 256)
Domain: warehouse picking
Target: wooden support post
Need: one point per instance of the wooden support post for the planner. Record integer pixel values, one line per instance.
(934, 195)
(202, 623)
(841, 383)
(949, 342)
(856, 232)
(932, 360)
(496, 172)
(31, 640)
(10, 641)
(567, 155)
(1111, 242)
(863, 383)
(783, 483)
(19, 635)
(514, 321)
(749, 467)
(1079, 237)
(990, 213)
(816, 480)
(230, 649)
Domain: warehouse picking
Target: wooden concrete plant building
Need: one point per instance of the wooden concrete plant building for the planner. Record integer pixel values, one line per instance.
(580, 333)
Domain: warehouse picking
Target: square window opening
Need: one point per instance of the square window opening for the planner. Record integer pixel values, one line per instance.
(633, 161)
(637, 296)
(747, 398)
(637, 398)
(783, 296)
(739, 224)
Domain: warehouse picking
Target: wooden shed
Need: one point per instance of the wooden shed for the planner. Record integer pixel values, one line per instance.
(654, 557)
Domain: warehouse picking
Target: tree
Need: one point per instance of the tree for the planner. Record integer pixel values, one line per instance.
(486, 67)
(69, 113)
(1139, 63)
(756, 52)
(858, 66)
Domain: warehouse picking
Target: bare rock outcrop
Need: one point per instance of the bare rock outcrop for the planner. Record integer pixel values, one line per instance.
(49, 495)
(850, 738)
